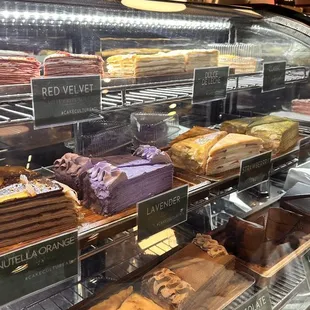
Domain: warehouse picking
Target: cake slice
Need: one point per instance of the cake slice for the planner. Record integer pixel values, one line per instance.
(66, 64)
(109, 188)
(226, 154)
(192, 154)
(277, 136)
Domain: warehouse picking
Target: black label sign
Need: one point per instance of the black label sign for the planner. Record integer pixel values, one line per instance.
(210, 84)
(304, 150)
(260, 301)
(37, 266)
(254, 170)
(162, 211)
(306, 261)
(65, 100)
(274, 76)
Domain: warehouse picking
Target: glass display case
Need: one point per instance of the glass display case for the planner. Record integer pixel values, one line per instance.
(170, 138)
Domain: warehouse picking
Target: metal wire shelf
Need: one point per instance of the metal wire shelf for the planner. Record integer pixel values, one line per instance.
(16, 106)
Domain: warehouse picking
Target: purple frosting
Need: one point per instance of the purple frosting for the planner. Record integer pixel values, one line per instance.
(103, 177)
(153, 154)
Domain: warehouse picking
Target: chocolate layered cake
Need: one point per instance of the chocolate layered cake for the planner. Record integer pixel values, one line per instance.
(35, 209)
(118, 182)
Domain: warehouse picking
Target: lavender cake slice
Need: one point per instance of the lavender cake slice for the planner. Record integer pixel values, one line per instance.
(115, 184)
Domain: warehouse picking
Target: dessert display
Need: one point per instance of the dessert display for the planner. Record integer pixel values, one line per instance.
(238, 63)
(135, 65)
(66, 64)
(301, 106)
(114, 183)
(18, 69)
(214, 153)
(263, 246)
(279, 134)
(35, 209)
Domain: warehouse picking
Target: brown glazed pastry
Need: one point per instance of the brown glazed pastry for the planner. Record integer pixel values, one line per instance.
(280, 224)
(166, 288)
(217, 251)
(11, 174)
(114, 301)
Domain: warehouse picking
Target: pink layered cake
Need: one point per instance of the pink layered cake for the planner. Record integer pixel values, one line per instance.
(117, 182)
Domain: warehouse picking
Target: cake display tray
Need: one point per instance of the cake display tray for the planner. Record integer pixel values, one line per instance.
(266, 275)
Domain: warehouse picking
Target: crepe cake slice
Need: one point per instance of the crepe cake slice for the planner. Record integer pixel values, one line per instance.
(228, 152)
(278, 137)
(192, 154)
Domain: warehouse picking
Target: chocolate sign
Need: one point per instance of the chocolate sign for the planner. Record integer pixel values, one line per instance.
(254, 170)
(210, 84)
(259, 301)
(274, 76)
(65, 100)
(162, 211)
(38, 266)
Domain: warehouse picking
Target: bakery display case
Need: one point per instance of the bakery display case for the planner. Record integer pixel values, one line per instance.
(169, 141)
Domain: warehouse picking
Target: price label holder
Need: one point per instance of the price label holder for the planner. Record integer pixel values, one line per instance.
(254, 171)
(38, 266)
(65, 100)
(259, 301)
(162, 211)
(304, 150)
(273, 76)
(210, 84)
(306, 262)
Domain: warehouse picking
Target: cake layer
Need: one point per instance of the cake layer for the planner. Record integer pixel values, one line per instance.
(18, 70)
(33, 209)
(278, 134)
(66, 64)
(11, 174)
(192, 154)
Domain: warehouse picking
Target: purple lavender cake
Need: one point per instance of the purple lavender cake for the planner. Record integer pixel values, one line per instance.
(119, 182)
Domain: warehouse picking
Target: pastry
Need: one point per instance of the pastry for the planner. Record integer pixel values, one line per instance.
(11, 174)
(217, 251)
(192, 154)
(115, 301)
(34, 209)
(135, 65)
(119, 182)
(228, 152)
(166, 288)
(238, 63)
(66, 64)
(18, 69)
(278, 134)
